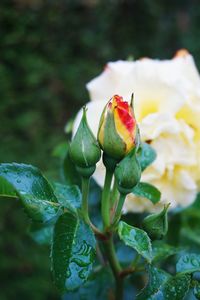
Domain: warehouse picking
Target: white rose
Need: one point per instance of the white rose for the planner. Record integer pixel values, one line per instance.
(167, 108)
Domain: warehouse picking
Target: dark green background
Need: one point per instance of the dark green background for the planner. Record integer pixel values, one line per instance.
(49, 50)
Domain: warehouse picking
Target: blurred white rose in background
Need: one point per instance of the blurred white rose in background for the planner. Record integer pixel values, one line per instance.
(167, 109)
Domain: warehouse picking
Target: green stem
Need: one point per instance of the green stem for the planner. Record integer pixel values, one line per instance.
(119, 208)
(85, 210)
(115, 266)
(85, 191)
(105, 204)
(114, 194)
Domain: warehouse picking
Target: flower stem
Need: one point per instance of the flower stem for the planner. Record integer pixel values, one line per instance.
(119, 208)
(115, 266)
(85, 191)
(84, 208)
(114, 194)
(105, 204)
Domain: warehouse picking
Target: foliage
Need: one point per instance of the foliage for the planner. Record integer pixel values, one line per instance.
(49, 50)
(58, 219)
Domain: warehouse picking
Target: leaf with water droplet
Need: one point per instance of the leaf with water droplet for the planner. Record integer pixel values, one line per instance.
(148, 191)
(29, 185)
(162, 286)
(68, 196)
(137, 239)
(40, 233)
(188, 263)
(146, 155)
(196, 289)
(73, 252)
(161, 251)
(99, 286)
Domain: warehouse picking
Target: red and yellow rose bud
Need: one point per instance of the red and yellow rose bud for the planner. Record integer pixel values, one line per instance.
(117, 133)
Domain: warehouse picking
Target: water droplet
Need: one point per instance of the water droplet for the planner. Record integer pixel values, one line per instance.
(82, 274)
(194, 262)
(185, 259)
(68, 273)
(81, 262)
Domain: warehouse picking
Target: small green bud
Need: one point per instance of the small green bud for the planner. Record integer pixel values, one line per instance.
(84, 149)
(156, 225)
(128, 173)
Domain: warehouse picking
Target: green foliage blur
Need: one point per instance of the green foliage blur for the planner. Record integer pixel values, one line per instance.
(49, 50)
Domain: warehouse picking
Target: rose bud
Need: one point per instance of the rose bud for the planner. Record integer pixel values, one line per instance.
(156, 225)
(128, 172)
(117, 129)
(84, 149)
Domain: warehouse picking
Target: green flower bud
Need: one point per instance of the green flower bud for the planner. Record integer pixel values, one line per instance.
(156, 225)
(84, 149)
(128, 173)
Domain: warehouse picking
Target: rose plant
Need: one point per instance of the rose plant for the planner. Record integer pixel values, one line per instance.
(127, 154)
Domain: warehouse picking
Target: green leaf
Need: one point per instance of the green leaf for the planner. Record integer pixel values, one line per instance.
(32, 188)
(162, 250)
(69, 171)
(146, 155)
(137, 239)
(146, 190)
(152, 291)
(177, 287)
(190, 229)
(68, 196)
(6, 189)
(162, 286)
(92, 289)
(60, 150)
(196, 290)
(41, 234)
(73, 252)
(188, 263)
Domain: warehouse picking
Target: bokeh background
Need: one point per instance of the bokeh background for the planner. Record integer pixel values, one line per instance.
(49, 50)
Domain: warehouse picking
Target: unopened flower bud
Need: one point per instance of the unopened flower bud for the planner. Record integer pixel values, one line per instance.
(117, 133)
(84, 149)
(128, 173)
(156, 225)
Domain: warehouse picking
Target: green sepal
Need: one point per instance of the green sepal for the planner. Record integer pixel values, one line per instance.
(109, 162)
(84, 149)
(128, 172)
(112, 143)
(86, 172)
(156, 225)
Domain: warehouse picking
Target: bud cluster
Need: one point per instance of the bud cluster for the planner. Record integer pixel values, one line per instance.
(118, 138)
